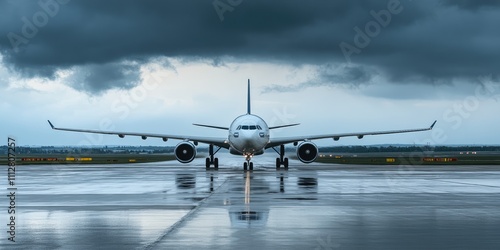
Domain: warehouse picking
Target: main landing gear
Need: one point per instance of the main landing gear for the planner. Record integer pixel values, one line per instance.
(212, 160)
(282, 160)
(248, 165)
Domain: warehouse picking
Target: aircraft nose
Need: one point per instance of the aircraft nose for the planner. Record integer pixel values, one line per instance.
(247, 140)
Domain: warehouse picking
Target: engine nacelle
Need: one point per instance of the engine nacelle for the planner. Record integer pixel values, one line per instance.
(185, 152)
(307, 152)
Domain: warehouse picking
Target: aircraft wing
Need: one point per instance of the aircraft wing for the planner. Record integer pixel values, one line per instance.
(285, 140)
(220, 142)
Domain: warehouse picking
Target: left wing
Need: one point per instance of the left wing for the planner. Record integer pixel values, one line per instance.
(285, 140)
(220, 142)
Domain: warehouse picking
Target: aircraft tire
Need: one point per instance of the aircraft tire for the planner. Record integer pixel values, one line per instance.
(207, 163)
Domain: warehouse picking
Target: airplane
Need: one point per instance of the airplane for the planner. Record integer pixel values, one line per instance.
(248, 136)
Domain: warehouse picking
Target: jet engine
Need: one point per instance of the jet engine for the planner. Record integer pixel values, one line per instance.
(307, 152)
(185, 152)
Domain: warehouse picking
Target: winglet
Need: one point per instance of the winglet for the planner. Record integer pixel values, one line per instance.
(51, 125)
(434, 123)
(248, 98)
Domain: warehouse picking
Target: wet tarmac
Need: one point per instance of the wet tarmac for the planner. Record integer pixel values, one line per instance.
(172, 206)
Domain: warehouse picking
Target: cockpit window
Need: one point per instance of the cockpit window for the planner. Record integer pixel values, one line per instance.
(249, 127)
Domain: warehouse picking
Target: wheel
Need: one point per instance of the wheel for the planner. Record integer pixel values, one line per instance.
(245, 166)
(286, 163)
(278, 163)
(251, 165)
(207, 163)
(216, 163)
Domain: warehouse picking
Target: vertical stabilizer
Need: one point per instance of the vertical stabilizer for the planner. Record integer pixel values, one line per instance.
(248, 98)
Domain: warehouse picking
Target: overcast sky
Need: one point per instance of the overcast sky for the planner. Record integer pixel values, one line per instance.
(333, 66)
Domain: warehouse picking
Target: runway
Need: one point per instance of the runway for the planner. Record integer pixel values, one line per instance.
(172, 206)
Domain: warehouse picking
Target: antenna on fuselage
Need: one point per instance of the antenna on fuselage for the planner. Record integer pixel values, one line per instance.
(248, 98)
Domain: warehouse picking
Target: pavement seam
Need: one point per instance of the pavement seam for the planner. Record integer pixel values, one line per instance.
(463, 183)
(184, 218)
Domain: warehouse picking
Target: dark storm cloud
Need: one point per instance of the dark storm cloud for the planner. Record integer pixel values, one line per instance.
(96, 78)
(347, 75)
(422, 41)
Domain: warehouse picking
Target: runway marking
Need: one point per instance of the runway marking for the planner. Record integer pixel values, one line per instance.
(184, 218)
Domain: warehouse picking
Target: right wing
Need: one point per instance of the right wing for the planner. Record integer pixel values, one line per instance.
(220, 142)
(285, 140)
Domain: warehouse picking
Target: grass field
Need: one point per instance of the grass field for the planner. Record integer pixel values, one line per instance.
(367, 159)
(416, 159)
(87, 159)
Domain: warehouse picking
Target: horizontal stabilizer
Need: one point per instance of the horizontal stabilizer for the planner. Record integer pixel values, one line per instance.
(210, 126)
(284, 126)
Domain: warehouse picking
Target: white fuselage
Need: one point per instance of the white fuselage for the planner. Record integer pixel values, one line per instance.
(248, 135)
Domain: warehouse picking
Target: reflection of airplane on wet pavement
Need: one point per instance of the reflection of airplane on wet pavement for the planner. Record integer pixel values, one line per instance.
(243, 213)
(249, 135)
(249, 198)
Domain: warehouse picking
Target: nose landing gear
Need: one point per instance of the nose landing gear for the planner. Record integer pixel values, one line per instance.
(248, 165)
